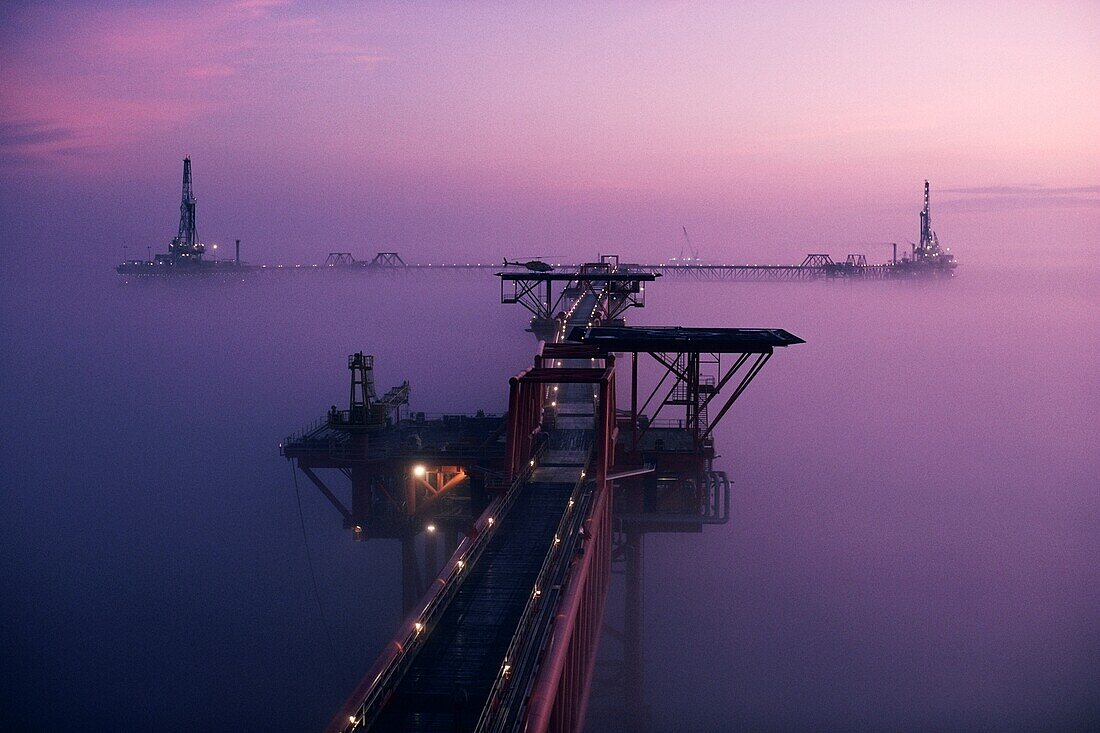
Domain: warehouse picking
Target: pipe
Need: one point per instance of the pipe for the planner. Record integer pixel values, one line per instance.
(540, 706)
(395, 648)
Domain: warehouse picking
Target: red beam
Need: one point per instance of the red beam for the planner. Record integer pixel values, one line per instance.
(559, 697)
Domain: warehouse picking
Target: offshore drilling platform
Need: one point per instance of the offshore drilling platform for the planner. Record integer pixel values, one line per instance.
(186, 256)
(927, 256)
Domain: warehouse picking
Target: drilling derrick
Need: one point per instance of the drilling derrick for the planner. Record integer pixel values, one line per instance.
(186, 246)
(928, 246)
(928, 257)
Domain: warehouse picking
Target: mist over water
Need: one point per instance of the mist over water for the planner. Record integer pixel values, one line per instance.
(913, 534)
(912, 543)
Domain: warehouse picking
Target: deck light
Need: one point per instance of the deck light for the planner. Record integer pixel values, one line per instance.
(419, 470)
(430, 528)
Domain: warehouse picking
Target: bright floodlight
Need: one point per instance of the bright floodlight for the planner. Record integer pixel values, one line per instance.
(419, 470)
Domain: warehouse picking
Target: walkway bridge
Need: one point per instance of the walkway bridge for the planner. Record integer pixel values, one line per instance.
(814, 266)
(506, 635)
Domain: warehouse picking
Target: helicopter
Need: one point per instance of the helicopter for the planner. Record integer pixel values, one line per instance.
(532, 265)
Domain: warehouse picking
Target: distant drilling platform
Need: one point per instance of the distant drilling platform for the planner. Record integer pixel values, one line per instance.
(927, 256)
(186, 256)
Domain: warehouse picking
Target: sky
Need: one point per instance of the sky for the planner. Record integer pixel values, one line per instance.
(466, 129)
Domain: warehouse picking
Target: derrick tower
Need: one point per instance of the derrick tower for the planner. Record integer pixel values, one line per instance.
(186, 244)
(929, 245)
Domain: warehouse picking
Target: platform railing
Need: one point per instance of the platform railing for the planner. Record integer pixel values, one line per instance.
(335, 442)
(343, 419)
(521, 657)
(385, 676)
(713, 506)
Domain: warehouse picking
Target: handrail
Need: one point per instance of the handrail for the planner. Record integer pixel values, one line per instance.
(323, 421)
(410, 638)
(544, 599)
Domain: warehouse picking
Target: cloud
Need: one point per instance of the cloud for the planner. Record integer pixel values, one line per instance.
(129, 78)
(31, 142)
(1032, 189)
(25, 133)
(370, 59)
(1027, 196)
(211, 71)
(321, 49)
(258, 7)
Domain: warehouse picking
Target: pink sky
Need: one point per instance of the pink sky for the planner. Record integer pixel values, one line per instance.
(778, 111)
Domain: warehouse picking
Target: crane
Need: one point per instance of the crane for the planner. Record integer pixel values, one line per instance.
(694, 253)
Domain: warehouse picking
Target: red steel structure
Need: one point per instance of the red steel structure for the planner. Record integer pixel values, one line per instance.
(563, 648)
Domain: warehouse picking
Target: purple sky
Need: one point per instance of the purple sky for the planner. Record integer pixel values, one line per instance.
(458, 128)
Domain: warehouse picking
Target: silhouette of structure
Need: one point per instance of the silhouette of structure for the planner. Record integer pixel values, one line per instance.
(927, 259)
(186, 243)
(505, 636)
(185, 255)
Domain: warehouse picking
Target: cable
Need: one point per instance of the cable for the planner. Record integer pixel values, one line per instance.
(309, 562)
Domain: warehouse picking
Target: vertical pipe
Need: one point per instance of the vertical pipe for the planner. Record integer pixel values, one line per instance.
(410, 572)
(634, 402)
(513, 427)
(431, 553)
(634, 704)
(237, 258)
(604, 435)
(410, 495)
(362, 494)
(529, 390)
